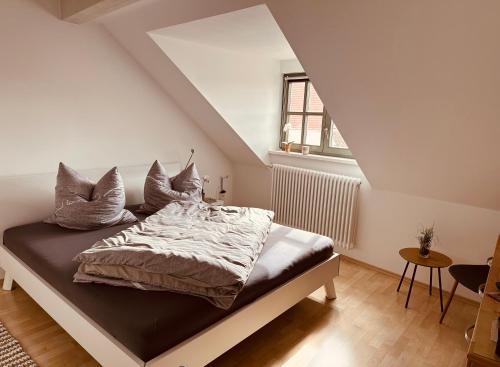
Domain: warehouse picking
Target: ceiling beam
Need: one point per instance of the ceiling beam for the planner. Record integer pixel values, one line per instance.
(82, 11)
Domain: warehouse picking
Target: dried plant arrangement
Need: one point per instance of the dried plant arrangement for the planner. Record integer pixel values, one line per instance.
(425, 237)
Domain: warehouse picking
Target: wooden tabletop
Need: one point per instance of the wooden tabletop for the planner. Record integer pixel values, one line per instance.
(435, 259)
(482, 349)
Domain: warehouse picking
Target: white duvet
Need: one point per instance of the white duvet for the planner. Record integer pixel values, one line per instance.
(194, 248)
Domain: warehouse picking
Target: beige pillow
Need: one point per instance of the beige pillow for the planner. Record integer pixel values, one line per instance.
(81, 204)
(160, 190)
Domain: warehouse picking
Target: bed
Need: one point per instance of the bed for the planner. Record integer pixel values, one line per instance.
(128, 327)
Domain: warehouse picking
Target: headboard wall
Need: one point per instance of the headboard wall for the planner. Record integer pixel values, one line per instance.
(30, 198)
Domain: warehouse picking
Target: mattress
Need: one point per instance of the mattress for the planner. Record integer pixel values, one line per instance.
(149, 323)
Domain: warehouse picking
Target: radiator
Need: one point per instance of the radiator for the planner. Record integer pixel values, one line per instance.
(315, 201)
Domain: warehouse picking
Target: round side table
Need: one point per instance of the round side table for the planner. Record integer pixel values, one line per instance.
(435, 260)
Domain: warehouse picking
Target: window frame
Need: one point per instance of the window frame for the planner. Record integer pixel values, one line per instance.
(326, 124)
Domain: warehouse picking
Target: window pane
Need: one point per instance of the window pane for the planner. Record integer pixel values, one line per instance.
(314, 104)
(313, 130)
(336, 140)
(296, 96)
(294, 122)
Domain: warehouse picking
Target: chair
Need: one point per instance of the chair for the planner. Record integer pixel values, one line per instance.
(472, 277)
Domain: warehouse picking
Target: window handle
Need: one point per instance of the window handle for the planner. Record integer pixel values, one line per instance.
(325, 131)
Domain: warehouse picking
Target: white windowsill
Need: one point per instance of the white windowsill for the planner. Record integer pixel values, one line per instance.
(315, 157)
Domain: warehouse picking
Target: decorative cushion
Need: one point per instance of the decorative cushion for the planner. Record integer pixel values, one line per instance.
(81, 204)
(160, 190)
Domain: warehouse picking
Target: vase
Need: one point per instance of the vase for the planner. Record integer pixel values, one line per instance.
(424, 251)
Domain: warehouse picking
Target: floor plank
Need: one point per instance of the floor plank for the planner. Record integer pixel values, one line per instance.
(367, 325)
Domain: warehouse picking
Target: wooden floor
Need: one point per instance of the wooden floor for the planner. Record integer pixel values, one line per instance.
(367, 325)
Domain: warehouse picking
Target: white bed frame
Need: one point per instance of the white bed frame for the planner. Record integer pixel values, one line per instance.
(198, 350)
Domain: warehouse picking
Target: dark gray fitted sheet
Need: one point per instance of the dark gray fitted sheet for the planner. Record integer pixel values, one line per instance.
(149, 323)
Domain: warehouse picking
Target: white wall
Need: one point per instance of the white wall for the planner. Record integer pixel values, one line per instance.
(253, 183)
(243, 88)
(389, 221)
(252, 186)
(290, 66)
(71, 93)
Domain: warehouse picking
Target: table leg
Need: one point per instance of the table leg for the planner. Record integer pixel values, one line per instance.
(403, 276)
(452, 293)
(411, 286)
(440, 289)
(430, 282)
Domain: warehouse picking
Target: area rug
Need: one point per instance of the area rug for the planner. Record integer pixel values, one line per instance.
(11, 352)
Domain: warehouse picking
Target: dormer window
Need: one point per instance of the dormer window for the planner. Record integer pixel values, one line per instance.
(305, 120)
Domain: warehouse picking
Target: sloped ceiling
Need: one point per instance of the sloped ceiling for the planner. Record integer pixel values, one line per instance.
(238, 72)
(130, 25)
(413, 86)
(253, 31)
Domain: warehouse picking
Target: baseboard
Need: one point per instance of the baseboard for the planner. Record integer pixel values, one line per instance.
(398, 276)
